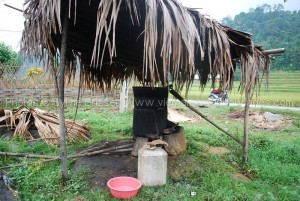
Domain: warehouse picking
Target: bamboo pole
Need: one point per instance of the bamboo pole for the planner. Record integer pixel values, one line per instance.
(101, 151)
(100, 147)
(26, 155)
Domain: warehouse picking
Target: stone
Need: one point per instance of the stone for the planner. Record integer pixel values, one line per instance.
(272, 117)
(139, 142)
(176, 142)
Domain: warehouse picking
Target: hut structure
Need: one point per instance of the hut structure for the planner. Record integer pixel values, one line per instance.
(150, 40)
(112, 40)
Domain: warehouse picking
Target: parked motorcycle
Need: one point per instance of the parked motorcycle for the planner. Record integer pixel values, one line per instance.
(218, 96)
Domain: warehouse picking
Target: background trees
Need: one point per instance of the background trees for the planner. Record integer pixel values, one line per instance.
(10, 62)
(7, 55)
(272, 27)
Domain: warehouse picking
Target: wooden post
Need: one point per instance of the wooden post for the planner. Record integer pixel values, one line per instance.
(61, 94)
(123, 107)
(246, 130)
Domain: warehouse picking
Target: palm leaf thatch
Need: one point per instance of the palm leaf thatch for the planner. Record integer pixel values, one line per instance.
(46, 123)
(112, 40)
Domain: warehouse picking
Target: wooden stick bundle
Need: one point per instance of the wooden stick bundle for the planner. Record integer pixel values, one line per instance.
(91, 152)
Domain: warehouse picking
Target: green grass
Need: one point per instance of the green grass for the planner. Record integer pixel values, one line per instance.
(284, 90)
(275, 155)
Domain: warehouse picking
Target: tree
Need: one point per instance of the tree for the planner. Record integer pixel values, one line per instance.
(10, 62)
(7, 55)
(272, 27)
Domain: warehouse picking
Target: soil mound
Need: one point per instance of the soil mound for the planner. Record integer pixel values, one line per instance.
(263, 121)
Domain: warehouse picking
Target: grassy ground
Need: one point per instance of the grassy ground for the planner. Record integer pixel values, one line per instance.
(284, 89)
(274, 155)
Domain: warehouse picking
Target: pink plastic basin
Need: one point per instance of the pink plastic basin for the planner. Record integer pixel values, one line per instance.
(124, 187)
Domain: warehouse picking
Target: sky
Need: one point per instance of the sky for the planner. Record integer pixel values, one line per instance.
(11, 21)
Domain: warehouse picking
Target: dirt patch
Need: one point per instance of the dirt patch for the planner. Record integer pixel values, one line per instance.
(240, 177)
(219, 151)
(259, 121)
(177, 117)
(5, 194)
(106, 166)
(179, 166)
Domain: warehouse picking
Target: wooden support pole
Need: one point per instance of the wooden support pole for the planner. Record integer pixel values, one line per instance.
(17, 9)
(124, 97)
(176, 95)
(26, 155)
(110, 150)
(246, 133)
(61, 94)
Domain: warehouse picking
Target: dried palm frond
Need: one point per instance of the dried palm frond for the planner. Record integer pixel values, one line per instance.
(23, 118)
(149, 39)
(47, 125)
(253, 63)
(6, 118)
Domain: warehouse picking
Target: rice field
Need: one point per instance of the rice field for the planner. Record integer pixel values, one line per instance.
(284, 90)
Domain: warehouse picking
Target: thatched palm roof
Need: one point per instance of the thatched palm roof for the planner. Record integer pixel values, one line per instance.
(145, 38)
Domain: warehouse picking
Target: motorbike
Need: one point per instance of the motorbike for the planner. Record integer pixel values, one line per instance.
(218, 96)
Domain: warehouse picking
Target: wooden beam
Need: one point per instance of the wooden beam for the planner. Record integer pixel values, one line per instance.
(25, 155)
(13, 7)
(61, 94)
(274, 51)
(176, 95)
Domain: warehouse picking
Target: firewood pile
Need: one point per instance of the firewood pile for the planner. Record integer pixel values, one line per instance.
(24, 120)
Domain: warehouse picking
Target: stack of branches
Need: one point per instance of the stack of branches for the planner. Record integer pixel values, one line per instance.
(109, 147)
(47, 125)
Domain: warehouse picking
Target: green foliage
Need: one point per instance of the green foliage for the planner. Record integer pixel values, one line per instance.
(106, 125)
(275, 155)
(4, 147)
(38, 148)
(43, 182)
(10, 62)
(7, 55)
(272, 27)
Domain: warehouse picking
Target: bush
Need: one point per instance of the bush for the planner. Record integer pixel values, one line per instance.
(8, 56)
(34, 72)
